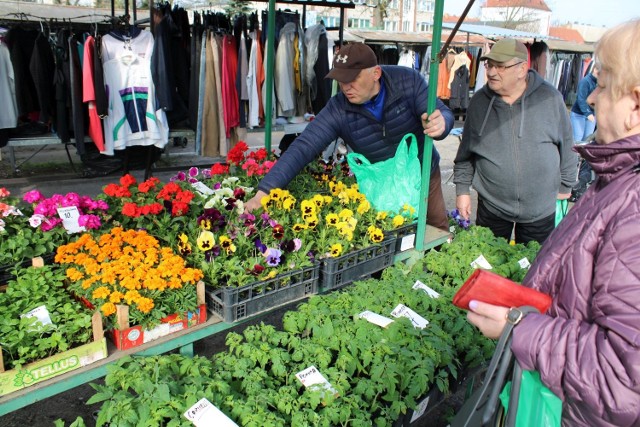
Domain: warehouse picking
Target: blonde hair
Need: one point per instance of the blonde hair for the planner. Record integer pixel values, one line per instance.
(618, 54)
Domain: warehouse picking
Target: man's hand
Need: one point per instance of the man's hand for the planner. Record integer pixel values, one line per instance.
(435, 125)
(591, 117)
(463, 204)
(254, 203)
(490, 319)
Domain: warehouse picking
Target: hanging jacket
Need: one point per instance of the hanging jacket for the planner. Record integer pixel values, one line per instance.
(406, 101)
(518, 157)
(587, 348)
(460, 88)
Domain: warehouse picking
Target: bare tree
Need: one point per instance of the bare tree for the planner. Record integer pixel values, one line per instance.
(516, 15)
(379, 12)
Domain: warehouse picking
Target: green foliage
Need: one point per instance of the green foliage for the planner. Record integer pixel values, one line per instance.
(379, 373)
(25, 339)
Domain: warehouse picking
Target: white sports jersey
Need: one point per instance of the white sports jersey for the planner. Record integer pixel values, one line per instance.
(133, 118)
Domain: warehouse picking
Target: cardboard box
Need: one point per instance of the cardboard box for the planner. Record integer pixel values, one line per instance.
(125, 336)
(55, 365)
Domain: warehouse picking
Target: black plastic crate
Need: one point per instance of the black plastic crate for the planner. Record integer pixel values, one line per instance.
(356, 265)
(401, 232)
(233, 304)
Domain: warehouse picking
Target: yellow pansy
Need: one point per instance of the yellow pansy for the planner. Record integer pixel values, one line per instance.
(336, 250)
(206, 240)
(397, 221)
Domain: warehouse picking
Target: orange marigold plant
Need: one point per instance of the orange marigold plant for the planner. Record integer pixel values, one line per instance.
(129, 267)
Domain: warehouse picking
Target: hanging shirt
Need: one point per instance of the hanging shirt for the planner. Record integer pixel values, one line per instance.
(89, 96)
(133, 117)
(9, 110)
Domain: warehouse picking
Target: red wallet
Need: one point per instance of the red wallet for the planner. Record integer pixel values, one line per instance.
(494, 289)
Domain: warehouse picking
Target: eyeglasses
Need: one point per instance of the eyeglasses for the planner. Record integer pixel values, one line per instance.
(499, 67)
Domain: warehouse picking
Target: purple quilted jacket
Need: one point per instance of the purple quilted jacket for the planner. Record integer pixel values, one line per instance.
(587, 347)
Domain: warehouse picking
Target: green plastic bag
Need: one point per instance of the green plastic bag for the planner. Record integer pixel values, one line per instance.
(392, 183)
(537, 405)
(562, 208)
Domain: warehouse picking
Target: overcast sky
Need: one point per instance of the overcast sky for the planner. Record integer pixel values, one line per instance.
(605, 13)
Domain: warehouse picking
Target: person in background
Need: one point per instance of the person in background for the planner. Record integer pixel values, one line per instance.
(539, 56)
(376, 107)
(516, 149)
(587, 346)
(583, 121)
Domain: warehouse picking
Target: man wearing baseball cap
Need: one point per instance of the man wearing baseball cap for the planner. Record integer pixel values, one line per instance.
(376, 107)
(516, 149)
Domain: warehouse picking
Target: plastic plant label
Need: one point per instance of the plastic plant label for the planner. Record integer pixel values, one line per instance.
(481, 262)
(402, 310)
(375, 318)
(524, 263)
(419, 411)
(204, 414)
(69, 216)
(312, 379)
(42, 314)
(426, 289)
(202, 188)
(407, 242)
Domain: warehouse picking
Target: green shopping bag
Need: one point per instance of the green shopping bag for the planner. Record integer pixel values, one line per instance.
(537, 405)
(392, 183)
(562, 208)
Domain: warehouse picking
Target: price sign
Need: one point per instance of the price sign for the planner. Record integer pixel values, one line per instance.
(69, 217)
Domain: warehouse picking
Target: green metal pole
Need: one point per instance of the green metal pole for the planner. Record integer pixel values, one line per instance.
(271, 36)
(428, 141)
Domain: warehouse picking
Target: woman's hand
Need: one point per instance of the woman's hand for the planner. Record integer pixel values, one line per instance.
(490, 319)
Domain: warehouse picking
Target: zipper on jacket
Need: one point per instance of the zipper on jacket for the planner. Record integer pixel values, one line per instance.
(384, 131)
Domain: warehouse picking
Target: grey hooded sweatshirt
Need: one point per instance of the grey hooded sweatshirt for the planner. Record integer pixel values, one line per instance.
(518, 157)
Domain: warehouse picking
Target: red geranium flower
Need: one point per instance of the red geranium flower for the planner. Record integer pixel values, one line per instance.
(219, 169)
(127, 180)
(236, 154)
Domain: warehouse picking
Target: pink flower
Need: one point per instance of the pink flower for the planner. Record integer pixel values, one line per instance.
(50, 223)
(297, 244)
(33, 196)
(193, 172)
(70, 199)
(89, 221)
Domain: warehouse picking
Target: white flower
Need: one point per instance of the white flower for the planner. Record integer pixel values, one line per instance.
(36, 220)
(1, 226)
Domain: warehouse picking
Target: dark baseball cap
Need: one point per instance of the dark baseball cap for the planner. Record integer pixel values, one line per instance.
(506, 49)
(350, 60)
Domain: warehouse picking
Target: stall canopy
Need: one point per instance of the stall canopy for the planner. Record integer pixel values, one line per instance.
(492, 32)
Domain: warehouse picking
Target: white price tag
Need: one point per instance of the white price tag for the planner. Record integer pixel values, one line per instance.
(312, 378)
(407, 242)
(204, 414)
(69, 217)
(426, 289)
(41, 313)
(201, 188)
(524, 263)
(481, 262)
(402, 310)
(375, 318)
(422, 406)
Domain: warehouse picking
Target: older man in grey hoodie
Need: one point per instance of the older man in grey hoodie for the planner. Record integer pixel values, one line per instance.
(516, 149)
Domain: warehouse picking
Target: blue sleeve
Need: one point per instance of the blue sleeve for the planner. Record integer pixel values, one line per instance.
(448, 118)
(584, 90)
(317, 136)
(421, 106)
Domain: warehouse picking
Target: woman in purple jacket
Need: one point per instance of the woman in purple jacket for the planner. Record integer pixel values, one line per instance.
(587, 346)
